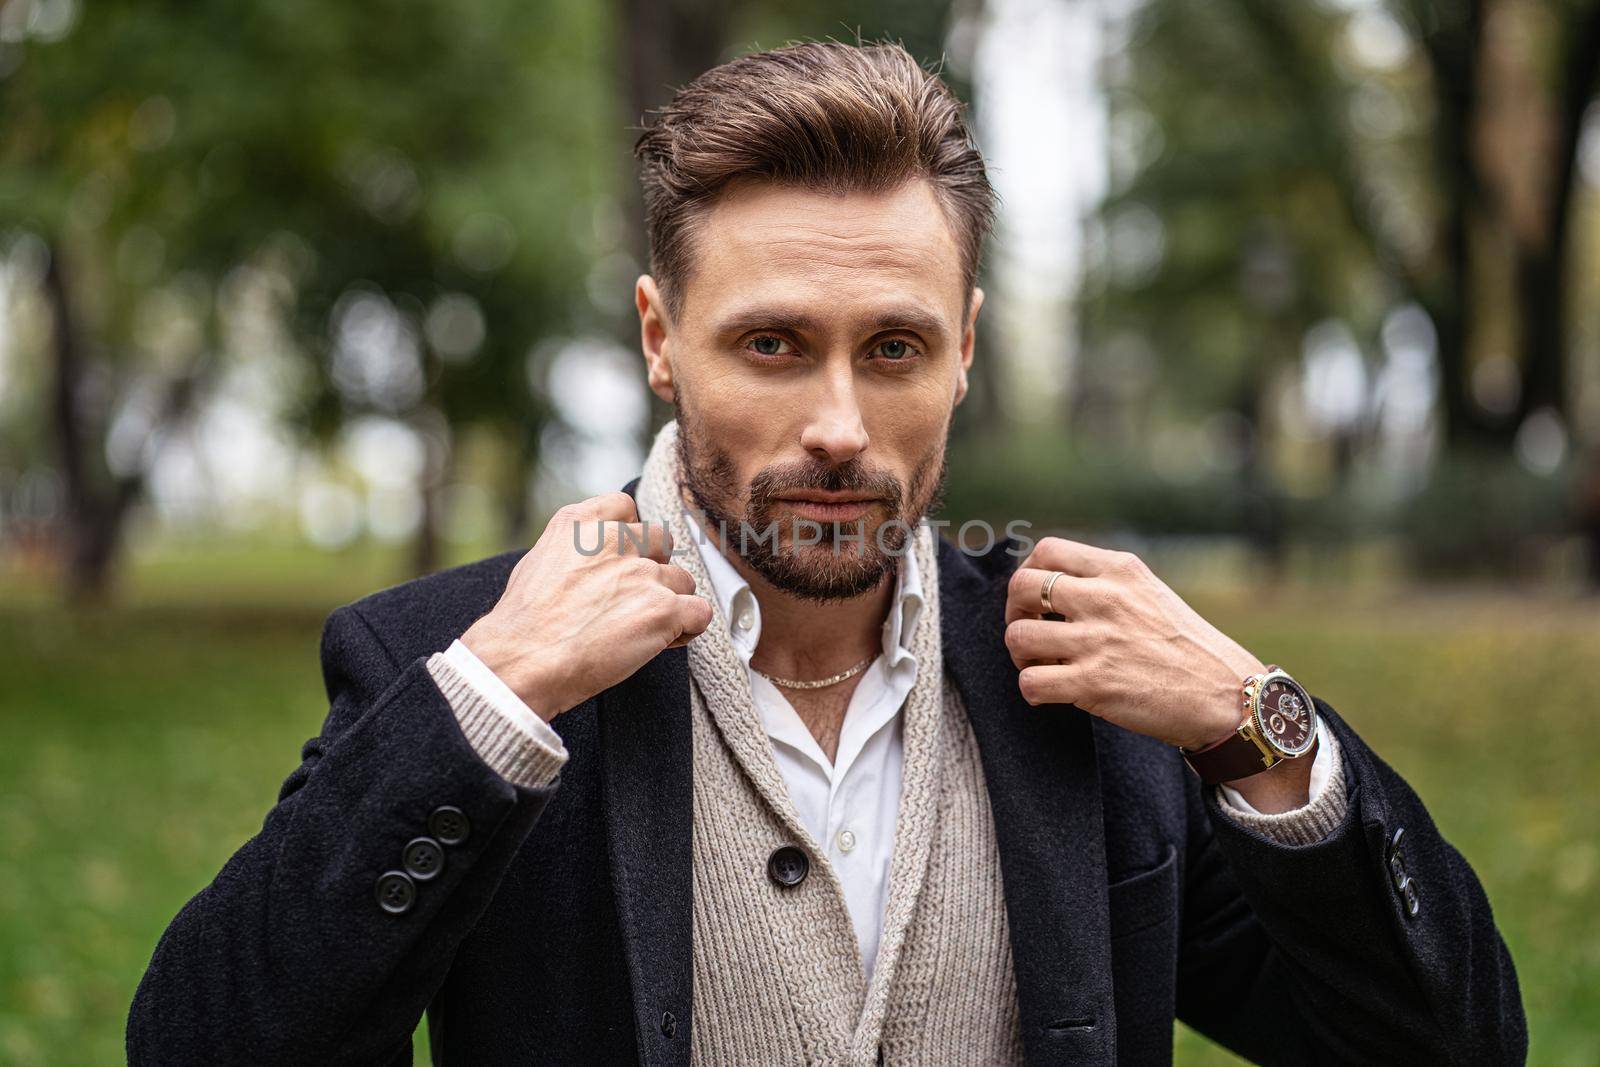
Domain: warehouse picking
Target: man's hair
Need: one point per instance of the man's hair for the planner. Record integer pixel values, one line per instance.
(820, 115)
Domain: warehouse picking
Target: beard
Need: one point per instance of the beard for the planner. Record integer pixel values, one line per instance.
(850, 557)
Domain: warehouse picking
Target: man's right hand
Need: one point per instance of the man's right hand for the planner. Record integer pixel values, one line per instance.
(572, 623)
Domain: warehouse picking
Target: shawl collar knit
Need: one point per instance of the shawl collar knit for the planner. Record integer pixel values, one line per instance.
(777, 972)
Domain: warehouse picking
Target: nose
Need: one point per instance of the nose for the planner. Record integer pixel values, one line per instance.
(834, 431)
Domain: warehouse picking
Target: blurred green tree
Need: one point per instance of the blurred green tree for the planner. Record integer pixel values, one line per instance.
(405, 197)
(412, 190)
(1309, 161)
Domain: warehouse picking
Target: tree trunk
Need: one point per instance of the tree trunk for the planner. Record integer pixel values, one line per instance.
(438, 453)
(1542, 270)
(91, 522)
(668, 43)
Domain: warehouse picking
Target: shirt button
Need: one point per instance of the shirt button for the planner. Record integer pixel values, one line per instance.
(745, 620)
(847, 840)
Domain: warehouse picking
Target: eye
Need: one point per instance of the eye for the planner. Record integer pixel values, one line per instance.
(769, 344)
(897, 350)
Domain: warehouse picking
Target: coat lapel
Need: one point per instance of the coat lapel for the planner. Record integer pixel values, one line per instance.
(1044, 789)
(648, 799)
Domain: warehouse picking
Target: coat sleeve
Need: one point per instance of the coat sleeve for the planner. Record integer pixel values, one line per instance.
(1346, 949)
(288, 955)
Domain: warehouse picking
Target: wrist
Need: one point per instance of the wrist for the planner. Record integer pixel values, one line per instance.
(1285, 786)
(1275, 724)
(511, 662)
(1226, 709)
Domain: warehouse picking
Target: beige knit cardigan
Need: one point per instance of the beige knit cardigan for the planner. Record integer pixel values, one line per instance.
(777, 972)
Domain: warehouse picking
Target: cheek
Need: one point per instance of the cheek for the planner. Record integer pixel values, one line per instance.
(908, 420)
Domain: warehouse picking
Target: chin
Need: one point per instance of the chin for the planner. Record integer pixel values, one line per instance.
(816, 572)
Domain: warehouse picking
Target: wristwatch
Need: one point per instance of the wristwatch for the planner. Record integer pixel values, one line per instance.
(1280, 722)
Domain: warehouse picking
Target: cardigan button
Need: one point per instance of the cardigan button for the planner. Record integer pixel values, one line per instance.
(788, 866)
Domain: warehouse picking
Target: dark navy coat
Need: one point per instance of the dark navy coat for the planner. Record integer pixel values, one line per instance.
(559, 929)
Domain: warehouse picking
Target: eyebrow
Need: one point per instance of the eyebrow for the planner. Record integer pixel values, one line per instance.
(899, 317)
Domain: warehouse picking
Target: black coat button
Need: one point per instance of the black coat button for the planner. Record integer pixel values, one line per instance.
(422, 858)
(449, 826)
(669, 1024)
(788, 866)
(1404, 884)
(396, 892)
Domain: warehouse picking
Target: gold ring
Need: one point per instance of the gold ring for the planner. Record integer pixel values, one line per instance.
(1044, 594)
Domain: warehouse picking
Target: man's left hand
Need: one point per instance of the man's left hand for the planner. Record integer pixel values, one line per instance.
(1131, 651)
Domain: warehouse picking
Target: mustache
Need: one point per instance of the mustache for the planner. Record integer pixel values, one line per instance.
(850, 477)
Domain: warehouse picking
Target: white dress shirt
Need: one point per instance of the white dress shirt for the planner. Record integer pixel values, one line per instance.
(849, 804)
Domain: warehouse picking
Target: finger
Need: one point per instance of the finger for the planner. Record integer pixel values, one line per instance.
(651, 540)
(1046, 641)
(617, 506)
(693, 616)
(1026, 591)
(1071, 557)
(676, 578)
(1051, 684)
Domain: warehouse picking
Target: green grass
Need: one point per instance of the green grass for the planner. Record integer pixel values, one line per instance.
(140, 746)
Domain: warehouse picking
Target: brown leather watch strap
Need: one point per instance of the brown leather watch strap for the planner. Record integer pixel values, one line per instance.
(1235, 756)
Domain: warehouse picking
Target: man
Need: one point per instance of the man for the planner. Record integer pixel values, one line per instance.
(746, 765)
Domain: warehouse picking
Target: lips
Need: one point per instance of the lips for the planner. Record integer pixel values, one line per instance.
(818, 497)
(829, 507)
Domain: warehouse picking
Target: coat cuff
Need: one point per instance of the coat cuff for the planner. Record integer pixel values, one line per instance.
(1304, 825)
(521, 748)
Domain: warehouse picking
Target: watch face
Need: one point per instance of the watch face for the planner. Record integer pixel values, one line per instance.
(1286, 716)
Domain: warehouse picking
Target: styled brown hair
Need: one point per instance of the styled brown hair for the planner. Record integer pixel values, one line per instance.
(821, 115)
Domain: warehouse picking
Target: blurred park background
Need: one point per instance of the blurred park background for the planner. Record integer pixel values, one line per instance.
(1298, 299)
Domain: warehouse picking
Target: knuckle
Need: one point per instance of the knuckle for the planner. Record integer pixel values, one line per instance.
(617, 501)
(1018, 583)
(1094, 596)
(661, 599)
(1014, 634)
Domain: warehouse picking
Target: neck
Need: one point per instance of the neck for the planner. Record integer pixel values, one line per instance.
(803, 639)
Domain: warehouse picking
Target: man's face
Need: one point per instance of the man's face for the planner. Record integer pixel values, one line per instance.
(815, 364)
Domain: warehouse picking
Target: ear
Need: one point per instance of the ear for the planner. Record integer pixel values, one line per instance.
(655, 336)
(969, 337)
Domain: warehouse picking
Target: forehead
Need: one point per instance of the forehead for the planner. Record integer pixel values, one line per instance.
(850, 251)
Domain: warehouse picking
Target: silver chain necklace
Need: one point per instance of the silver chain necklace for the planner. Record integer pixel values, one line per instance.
(789, 683)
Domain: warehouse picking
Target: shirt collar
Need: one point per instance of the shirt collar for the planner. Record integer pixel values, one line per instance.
(743, 613)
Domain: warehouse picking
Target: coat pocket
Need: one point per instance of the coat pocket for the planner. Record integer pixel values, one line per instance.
(1145, 899)
(1144, 959)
